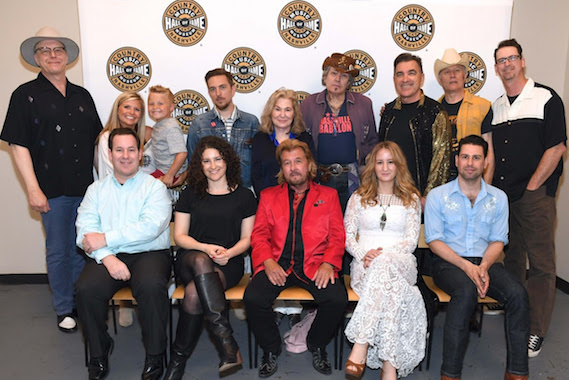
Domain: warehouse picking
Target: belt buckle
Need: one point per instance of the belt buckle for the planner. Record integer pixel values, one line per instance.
(336, 169)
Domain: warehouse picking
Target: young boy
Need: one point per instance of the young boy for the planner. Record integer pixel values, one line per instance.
(168, 145)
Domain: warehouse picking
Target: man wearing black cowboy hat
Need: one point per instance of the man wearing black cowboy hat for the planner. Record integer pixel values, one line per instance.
(51, 126)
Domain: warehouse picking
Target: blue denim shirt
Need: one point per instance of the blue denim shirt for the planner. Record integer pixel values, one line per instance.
(242, 132)
(466, 229)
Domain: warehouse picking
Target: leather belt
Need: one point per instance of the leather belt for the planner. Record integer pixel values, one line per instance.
(332, 170)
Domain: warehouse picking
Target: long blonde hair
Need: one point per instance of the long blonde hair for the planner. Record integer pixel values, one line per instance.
(403, 186)
(114, 123)
(297, 126)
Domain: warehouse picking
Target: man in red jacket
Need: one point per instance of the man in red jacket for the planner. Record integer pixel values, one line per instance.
(298, 240)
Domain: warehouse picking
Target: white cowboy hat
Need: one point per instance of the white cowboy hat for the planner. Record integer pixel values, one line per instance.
(450, 58)
(27, 48)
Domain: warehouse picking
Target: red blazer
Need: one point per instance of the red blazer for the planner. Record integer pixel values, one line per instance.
(322, 228)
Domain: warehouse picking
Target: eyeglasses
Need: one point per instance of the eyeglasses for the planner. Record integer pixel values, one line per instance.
(46, 51)
(511, 58)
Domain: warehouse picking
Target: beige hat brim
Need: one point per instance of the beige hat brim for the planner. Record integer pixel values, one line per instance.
(441, 65)
(27, 48)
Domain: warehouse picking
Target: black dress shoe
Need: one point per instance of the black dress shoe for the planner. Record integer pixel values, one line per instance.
(153, 367)
(99, 367)
(268, 364)
(320, 360)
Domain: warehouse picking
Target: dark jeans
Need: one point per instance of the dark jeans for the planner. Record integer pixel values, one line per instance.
(260, 295)
(64, 260)
(532, 221)
(505, 289)
(150, 272)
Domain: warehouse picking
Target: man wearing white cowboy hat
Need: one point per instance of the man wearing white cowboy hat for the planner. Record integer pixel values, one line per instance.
(468, 114)
(51, 126)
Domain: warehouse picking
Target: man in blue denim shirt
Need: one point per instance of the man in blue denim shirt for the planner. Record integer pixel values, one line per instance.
(225, 121)
(466, 226)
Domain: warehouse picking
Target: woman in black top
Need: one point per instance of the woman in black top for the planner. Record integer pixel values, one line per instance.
(281, 120)
(213, 223)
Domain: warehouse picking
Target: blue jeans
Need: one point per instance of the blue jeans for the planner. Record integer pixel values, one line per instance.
(64, 260)
(505, 289)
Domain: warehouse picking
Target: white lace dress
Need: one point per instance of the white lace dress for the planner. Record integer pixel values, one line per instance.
(390, 315)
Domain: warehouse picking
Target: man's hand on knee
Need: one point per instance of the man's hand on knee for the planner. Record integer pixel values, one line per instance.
(116, 268)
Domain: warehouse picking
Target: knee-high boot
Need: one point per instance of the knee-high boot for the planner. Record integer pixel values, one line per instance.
(187, 336)
(212, 298)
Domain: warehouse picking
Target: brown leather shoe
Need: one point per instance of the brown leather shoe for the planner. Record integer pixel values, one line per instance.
(509, 376)
(443, 377)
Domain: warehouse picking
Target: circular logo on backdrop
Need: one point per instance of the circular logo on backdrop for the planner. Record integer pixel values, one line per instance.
(301, 95)
(413, 27)
(366, 65)
(129, 69)
(299, 24)
(476, 76)
(188, 105)
(184, 23)
(247, 68)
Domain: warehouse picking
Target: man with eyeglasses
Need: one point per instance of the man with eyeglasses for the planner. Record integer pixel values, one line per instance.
(51, 126)
(529, 136)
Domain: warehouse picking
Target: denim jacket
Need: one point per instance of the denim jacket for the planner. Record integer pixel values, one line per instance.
(242, 132)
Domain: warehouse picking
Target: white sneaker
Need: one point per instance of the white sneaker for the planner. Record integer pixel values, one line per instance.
(534, 345)
(66, 323)
(126, 315)
(493, 309)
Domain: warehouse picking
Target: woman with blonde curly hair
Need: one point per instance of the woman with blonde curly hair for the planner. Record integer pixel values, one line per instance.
(281, 120)
(383, 222)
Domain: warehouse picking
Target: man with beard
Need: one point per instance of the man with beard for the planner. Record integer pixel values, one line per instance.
(225, 121)
(298, 240)
(466, 226)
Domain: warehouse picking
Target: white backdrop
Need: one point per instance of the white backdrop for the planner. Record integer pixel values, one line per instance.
(107, 25)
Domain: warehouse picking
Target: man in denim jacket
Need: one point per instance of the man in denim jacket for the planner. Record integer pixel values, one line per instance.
(225, 121)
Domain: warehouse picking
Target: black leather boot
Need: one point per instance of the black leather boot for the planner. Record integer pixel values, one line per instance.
(187, 335)
(212, 298)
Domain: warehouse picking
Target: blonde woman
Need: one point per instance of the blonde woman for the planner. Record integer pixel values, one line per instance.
(383, 221)
(128, 112)
(281, 120)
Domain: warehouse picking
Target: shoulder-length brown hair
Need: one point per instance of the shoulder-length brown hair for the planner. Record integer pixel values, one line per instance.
(287, 146)
(297, 126)
(114, 122)
(196, 177)
(403, 186)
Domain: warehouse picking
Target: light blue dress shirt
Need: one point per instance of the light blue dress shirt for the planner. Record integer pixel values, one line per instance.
(134, 217)
(467, 229)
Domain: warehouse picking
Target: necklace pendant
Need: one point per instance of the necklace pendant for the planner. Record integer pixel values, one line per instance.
(382, 221)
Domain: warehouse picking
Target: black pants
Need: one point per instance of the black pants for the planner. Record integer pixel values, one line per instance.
(260, 295)
(150, 272)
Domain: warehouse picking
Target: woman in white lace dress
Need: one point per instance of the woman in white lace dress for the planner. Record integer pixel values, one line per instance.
(383, 221)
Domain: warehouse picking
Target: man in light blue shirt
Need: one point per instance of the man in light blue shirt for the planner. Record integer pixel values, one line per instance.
(122, 224)
(466, 226)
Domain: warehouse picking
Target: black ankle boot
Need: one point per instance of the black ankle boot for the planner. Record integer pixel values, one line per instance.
(187, 335)
(212, 298)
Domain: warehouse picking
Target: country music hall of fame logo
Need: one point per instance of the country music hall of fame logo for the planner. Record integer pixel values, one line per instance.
(412, 27)
(129, 69)
(184, 23)
(299, 24)
(367, 68)
(247, 68)
(476, 76)
(301, 95)
(188, 105)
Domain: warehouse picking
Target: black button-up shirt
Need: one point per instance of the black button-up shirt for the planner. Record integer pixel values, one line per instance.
(59, 131)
